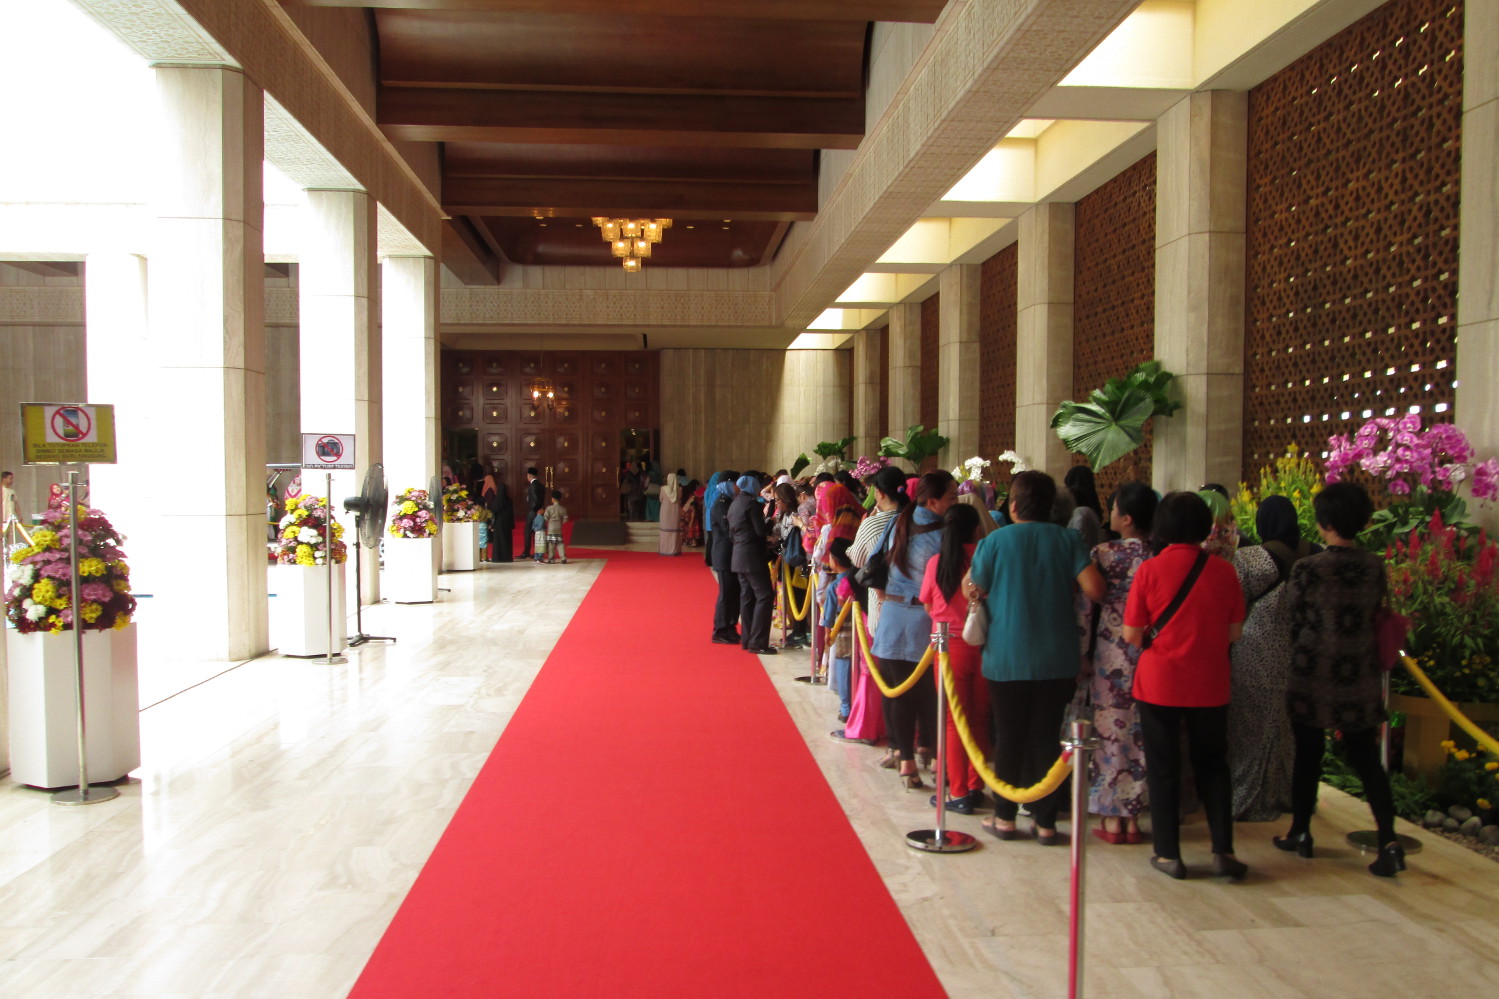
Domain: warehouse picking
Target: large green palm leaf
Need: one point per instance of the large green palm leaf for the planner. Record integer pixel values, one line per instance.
(1112, 422)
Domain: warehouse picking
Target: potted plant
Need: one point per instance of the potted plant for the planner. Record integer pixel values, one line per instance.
(1293, 475)
(1111, 423)
(919, 445)
(300, 614)
(410, 565)
(461, 518)
(39, 610)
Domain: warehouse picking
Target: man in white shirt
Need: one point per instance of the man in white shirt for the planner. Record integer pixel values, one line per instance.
(8, 506)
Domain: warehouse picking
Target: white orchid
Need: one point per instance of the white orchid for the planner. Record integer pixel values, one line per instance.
(1016, 461)
(972, 470)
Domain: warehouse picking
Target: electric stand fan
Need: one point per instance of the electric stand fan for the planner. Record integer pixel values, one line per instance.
(369, 509)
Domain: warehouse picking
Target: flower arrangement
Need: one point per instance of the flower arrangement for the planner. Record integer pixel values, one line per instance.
(1445, 581)
(867, 466)
(39, 597)
(414, 516)
(302, 534)
(973, 470)
(458, 508)
(1426, 466)
(1293, 475)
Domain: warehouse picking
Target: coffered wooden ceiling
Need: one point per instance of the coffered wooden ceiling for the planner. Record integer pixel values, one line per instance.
(708, 112)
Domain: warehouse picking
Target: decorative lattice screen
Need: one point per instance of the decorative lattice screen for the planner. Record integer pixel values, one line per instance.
(1114, 295)
(884, 384)
(997, 353)
(1351, 297)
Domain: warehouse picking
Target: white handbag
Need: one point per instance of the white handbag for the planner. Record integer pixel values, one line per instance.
(976, 625)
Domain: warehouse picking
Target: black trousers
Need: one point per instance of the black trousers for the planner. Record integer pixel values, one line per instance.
(726, 611)
(756, 600)
(1363, 756)
(1028, 739)
(1207, 747)
(916, 708)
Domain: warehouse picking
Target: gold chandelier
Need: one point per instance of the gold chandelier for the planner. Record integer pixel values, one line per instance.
(631, 239)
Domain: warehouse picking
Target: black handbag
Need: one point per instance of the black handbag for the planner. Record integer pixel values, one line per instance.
(876, 571)
(792, 553)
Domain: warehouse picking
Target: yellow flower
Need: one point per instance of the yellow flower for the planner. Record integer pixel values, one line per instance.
(91, 567)
(43, 539)
(1491, 765)
(1463, 754)
(121, 585)
(44, 591)
(122, 621)
(290, 532)
(305, 556)
(408, 508)
(1448, 744)
(91, 612)
(1483, 803)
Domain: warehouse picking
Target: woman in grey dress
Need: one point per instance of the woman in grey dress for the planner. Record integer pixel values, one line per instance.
(1259, 733)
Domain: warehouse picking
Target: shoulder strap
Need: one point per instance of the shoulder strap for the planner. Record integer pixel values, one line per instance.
(1181, 594)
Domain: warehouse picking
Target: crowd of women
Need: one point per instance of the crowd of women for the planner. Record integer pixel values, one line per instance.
(1191, 652)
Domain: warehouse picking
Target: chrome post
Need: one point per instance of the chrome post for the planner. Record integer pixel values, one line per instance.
(815, 631)
(83, 794)
(330, 659)
(938, 840)
(1082, 742)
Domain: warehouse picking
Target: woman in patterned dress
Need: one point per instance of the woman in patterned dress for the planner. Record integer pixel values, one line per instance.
(692, 515)
(1118, 767)
(671, 516)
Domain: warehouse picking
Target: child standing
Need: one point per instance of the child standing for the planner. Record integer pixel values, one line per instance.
(840, 590)
(555, 516)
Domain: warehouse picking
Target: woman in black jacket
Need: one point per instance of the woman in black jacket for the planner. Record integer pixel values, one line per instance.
(749, 559)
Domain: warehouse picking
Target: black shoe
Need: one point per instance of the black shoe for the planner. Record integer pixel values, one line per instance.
(1300, 842)
(725, 641)
(1391, 861)
(767, 651)
(1173, 868)
(963, 805)
(1225, 866)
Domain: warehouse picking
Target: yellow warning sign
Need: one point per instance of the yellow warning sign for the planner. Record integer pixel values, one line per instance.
(67, 433)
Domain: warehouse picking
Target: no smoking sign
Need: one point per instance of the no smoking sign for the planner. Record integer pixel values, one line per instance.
(327, 450)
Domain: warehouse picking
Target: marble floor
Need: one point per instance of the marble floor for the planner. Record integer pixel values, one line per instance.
(285, 807)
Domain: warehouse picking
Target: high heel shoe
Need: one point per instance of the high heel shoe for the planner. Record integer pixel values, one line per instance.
(912, 782)
(1300, 843)
(1391, 861)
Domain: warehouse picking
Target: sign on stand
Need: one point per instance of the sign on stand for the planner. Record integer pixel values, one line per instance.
(328, 451)
(72, 433)
(67, 433)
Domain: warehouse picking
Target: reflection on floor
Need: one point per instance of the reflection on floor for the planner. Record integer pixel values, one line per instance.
(285, 808)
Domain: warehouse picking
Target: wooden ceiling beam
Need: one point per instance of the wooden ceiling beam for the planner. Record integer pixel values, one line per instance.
(916, 11)
(468, 255)
(434, 115)
(646, 199)
(755, 166)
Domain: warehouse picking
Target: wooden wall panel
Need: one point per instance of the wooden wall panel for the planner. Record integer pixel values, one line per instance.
(931, 339)
(997, 314)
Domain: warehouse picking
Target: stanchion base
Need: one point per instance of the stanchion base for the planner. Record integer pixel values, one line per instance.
(329, 660)
(1367, 841)
(84, 795)
(951, 842)
(357, 640)
(814, 680)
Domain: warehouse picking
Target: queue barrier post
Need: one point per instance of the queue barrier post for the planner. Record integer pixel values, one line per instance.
(938, 839)
(815, 676)
(1082, 742)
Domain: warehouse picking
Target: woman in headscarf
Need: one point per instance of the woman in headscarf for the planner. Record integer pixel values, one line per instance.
(1260, 748)
(749, 558)
(720, 558)
(501, 522)
(671, 516)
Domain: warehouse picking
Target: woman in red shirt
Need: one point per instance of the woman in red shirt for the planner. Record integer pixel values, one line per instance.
(942, 596)
(1182, 680)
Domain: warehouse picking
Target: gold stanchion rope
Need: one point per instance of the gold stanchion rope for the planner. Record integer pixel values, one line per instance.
(790, 591)
(874, 673)
(1462, 721)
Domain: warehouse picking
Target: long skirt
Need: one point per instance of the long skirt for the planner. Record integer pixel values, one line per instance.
(671, 531)
(866, 713)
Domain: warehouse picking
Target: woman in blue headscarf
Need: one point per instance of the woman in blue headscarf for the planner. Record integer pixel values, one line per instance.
(710, 496)
(720, 557)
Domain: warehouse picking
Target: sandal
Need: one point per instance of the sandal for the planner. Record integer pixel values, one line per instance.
(889, 761)
(993, 828)
(1103, 833)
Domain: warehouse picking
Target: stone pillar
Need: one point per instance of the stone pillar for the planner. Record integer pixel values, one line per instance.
(958, 362)
(121, 372)
(207, 328)
(408, 310)
(1478, 275)
(905, 368)
(867, 389)
(338, 286)
(1201, 160)
(1043, 338)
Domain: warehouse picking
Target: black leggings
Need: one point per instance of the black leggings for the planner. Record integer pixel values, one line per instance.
(916, 706)
(1207, 747)
(1363, 756)
(726, 611)
(1028, 739)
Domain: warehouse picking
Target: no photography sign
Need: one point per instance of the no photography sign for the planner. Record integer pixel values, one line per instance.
(327, 450)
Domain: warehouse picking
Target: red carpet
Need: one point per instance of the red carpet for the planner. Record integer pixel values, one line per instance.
(650, 824)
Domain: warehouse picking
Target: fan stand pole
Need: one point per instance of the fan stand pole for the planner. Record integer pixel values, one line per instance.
(328, 521)
(359, 637)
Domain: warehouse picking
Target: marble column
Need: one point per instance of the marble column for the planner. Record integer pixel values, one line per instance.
(207, 331)
(1043, 338)
(1201, 154)
(408, 311)
(905, 369)
(121, 370)
(867, 390)
(958, 362)
(1478, 274)
(338, 288)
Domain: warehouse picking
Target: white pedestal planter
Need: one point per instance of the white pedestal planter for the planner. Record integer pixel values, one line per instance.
(410, 572)
(460, 547)
(44, 714)
(299, 609)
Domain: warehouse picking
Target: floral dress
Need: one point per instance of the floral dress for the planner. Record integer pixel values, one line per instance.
(1118, 767)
